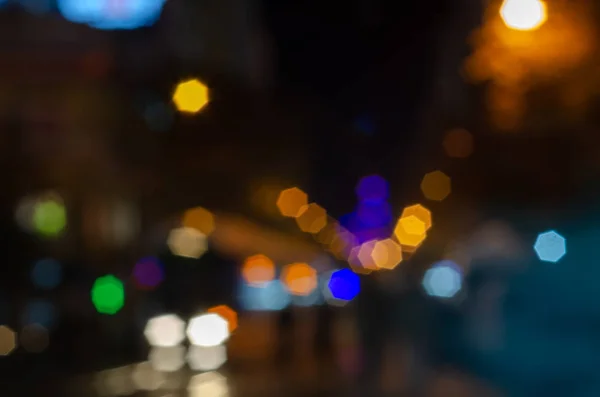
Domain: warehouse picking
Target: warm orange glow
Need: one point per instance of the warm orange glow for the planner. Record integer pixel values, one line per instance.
(258, 270)
(523, 14)
(291, 202)
(387, 254)
(436, 186)
(458, 143)
(410, 231)
(312, 218)
(365, 255)
(420, 212)
(200, 219)
(228, 314)
(299, 278)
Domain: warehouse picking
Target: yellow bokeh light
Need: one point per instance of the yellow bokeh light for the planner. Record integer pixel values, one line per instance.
(410, 231)
(312, 218)
(387, 254)
(191, 96)
(436, 186)
(299, 279)
(419, 211)
(291, 202)
(8, 340)
(258, 270)
(187, 242)
(458, 143)
(200, 219)
(523, 14)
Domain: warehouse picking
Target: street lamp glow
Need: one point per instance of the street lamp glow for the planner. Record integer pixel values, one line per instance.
(523, 14)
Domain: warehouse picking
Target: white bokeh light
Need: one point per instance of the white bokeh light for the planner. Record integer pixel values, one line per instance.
(208, 330)
(206, 358)
(167, 359)
(165, 331)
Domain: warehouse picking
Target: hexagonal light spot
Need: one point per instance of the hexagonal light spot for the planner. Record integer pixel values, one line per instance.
(191, 96)
(387, 254)
(200, 219)
(291, 201)
(108, 294)
(165, 331)
(550, 246)
(8, 340)
(208, 330)
(436, 186)
(187, 242)
(312, 218)
(410, 231)
(443, 280)
(201, 358)
(228, 314)
(299, 278)
(258, 270)
(420, 212)
(167, 359)
(344, 284)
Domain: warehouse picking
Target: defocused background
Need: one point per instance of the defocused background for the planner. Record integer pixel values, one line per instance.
(289, 198)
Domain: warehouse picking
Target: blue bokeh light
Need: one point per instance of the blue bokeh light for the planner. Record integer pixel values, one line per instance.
(344, 284)
(372, 188)
(550, 246)
(46, 274)
(40, 312)
(271, 296)
(112, 14)
(443, 280)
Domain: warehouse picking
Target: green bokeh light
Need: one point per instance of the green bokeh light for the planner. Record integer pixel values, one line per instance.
(108, 294)
(49, 218)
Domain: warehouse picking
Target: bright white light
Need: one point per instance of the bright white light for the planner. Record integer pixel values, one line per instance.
(209, 384)
(443, 280)
(523, 14)
(167, 359)
(165, 331)
(208, 330)
(206, 358)
(112, 14)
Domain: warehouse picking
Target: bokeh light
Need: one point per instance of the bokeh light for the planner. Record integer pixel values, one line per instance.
(299, 278)
(206, 358)
(291, 202)
(111, 15)
(523, 14)
(166, 330)
(312, 218)
(228, 314)
(436, 186)
(8, 340)
(46, 274)
(271, 296)
(167, 359)
(258, 270)
(40, 312)
(146, 378)
(148, 273)
(410, 231)
(443, 280)
(191, 96)
(458, 143)
(34, 338)
(208, 384)
(550, 246)
(207, 330)
(372, 188)
(387, 254)
(49, 217)
(200, 219)
(344, 284)
(419, 211)
(187, 242)
(365, 255)
(108, 295)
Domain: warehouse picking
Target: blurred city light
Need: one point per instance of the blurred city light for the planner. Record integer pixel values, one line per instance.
(114, 382)
(344, 284)
(201, 358)
(312, 218)
(209, 384)
(148, 273)
(443, 280)
(187, 242)
(291, 202)
(166, 330)
(270, 296)
(258, 270)
(372, 188)
(146, 378)
(108, 295)
(8, 340)
(46, 274)
(299, 278)
(419, 211)
(207, 330)
(34, 338)
(365, 255)
(523, 14)
(550, 246)
(167, 359)
(410, 231)
(228, 314)
(191, 96)
(111, 14)
(49, 217)
(40, 312)
(200, 219)
(436, 186)
(458, 143)
(387, 254)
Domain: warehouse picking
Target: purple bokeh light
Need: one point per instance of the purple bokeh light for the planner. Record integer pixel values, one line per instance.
(372, 188)
(148, 273)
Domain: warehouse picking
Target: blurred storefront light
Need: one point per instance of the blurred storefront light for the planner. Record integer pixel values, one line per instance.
(207, 330)
(112, 14)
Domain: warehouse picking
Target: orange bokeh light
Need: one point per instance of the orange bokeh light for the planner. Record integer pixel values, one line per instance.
(200, 219)
(291, 202)
(228, 314)
(258, 270)
(299, 278)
